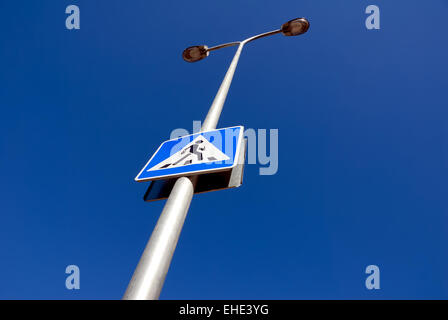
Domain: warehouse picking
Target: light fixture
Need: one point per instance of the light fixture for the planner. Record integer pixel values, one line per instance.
(195, 53)
(295, 27)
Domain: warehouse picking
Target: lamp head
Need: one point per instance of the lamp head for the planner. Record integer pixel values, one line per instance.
(195, 53)
(295, 27)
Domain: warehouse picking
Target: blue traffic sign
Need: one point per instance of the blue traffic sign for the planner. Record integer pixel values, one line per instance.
(199, 153)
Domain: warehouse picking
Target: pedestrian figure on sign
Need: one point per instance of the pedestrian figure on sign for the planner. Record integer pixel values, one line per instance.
(193, 149)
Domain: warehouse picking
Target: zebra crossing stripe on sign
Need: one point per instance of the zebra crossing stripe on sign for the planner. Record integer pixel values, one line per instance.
(198, 153)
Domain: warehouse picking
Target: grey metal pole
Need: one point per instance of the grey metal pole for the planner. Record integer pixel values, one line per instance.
(214, 112)
(149, 276)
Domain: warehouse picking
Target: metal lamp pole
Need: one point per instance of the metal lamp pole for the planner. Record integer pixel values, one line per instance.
(149, 276)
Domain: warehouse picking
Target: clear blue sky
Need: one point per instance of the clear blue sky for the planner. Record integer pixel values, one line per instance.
(362, 118)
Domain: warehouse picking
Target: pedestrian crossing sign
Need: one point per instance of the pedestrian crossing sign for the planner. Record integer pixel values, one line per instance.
(199, 153)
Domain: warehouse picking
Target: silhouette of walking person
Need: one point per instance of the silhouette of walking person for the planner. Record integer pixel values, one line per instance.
(194, 149)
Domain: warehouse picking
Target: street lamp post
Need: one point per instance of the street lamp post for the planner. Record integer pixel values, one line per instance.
(149, 276)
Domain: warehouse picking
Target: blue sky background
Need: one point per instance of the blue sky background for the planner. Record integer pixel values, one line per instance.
(362, 119)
